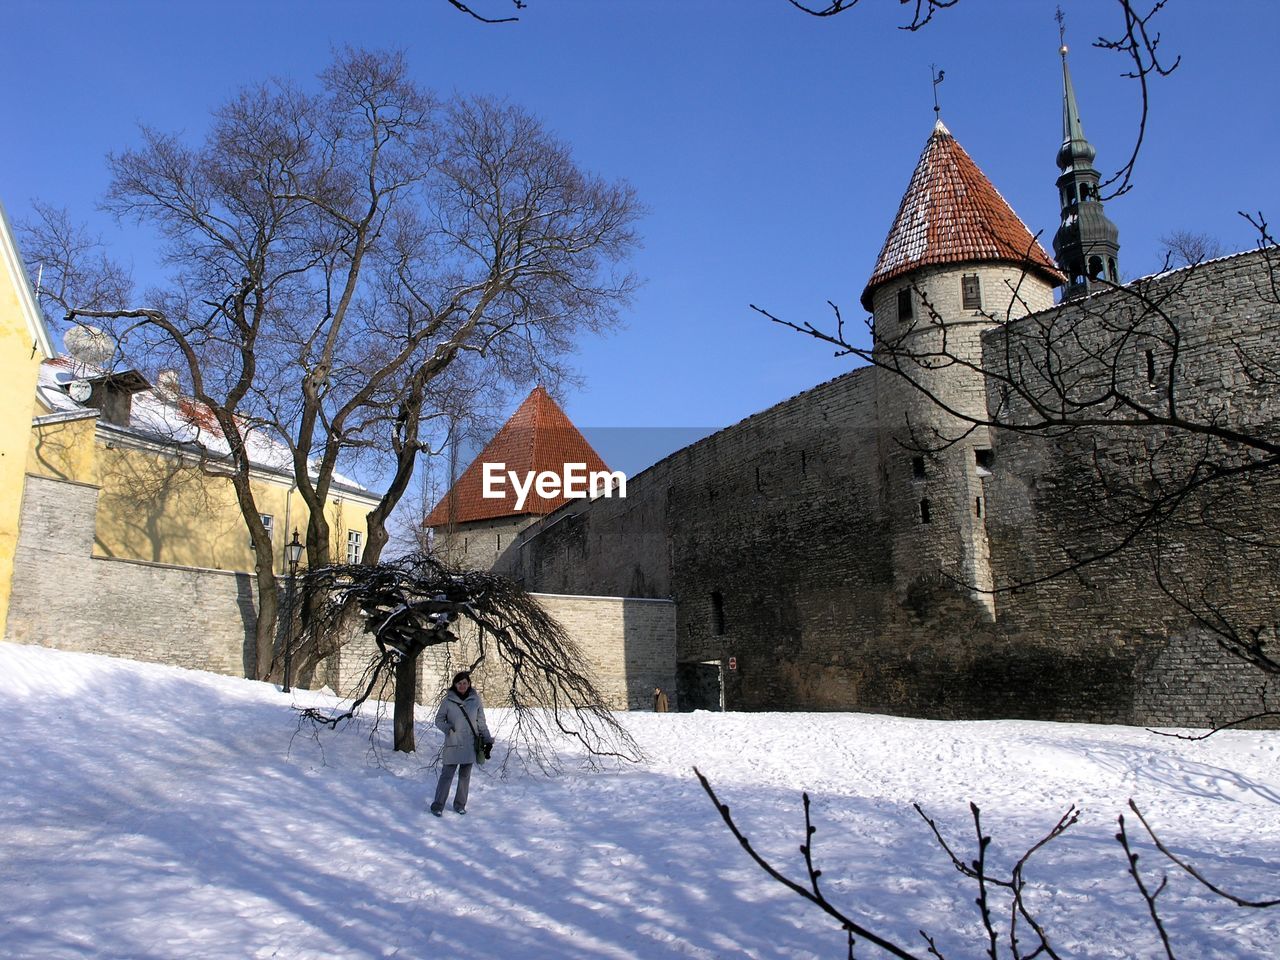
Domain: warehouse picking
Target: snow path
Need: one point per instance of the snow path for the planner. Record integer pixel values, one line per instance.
(148, 812)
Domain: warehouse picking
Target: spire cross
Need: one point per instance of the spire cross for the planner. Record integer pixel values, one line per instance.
(937, 76)
(1062, 30)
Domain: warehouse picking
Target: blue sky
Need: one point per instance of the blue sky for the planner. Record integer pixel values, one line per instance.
(770, 148)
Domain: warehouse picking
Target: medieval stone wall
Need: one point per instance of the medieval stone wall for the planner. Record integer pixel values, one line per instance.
(628, 647)
(479, 544)
(766, 534)
(64, 597)
(790, 544)
(1137, 655)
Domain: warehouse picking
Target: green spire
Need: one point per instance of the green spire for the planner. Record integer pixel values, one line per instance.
(1074, 145)
(1087, 243)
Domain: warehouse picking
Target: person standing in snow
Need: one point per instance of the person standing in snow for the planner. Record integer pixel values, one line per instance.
(660, 701)
(461, 717)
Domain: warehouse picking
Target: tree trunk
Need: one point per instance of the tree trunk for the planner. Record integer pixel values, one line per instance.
(265, 629)
(406, 700)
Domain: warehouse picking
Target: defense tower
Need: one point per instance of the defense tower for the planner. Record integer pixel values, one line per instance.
(957, 262)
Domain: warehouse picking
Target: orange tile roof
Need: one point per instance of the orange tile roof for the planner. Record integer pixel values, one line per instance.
(952, 214)
(537, 438)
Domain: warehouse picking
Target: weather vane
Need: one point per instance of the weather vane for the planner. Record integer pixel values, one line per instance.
(1062, 31)
(938, 76)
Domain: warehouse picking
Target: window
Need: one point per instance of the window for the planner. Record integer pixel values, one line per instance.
(971, 292)
(1151, 368)
(1095, 268)
(353, 546)
(917, 468)
(925, 517)
(268, 521)
(904, 303)
(977, 506)
(983, 459)
(717, 613)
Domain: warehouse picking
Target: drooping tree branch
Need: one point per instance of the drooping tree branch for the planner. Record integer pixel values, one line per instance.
(412, 605)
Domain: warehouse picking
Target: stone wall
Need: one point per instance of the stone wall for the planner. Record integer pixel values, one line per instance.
(768, 535)
(204, 619)
(65, 598)
(1143, 615)
(628, 647)
(789, 546)
(478, 545)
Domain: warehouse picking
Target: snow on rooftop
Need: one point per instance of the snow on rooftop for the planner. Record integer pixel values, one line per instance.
(177, 421)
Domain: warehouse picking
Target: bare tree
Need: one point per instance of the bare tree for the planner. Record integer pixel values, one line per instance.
(1008, 925)
(335, 255)
(1186, 248)
(413, 605)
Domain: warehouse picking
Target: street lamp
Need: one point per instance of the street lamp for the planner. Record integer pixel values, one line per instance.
(294, 550)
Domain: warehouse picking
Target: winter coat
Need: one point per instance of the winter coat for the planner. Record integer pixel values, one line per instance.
(459, 741)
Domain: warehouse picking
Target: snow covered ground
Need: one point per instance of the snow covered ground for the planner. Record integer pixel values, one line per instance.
(149, 812)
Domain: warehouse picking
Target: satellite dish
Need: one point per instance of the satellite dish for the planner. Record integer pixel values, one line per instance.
(80, 390)
(89, 346)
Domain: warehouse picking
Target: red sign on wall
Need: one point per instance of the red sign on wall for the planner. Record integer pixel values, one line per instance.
(733, 663)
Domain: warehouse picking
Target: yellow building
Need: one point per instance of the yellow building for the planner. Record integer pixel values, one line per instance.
(120, 531)
(131, 541)
(159, 463)
(24, 344)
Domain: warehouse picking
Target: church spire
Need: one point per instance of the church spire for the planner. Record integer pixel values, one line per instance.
(1087, 243)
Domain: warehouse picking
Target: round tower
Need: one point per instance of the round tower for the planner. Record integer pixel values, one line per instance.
(956, 263)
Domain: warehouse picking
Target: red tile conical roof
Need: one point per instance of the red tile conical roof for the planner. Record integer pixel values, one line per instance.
(537, 438)
(952, 214)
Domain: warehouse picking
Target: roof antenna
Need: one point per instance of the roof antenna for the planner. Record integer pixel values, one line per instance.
(938, 76)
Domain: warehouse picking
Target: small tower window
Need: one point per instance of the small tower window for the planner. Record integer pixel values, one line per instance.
(1112, 274)
(904, 303)
(1151, 368)
(925, 516)
(971, 291)
(717, 613)
(977, 507)
(1095, 268)
(983, 458)
(917, 468)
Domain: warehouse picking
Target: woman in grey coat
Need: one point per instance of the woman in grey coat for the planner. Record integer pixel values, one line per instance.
(461, 717)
